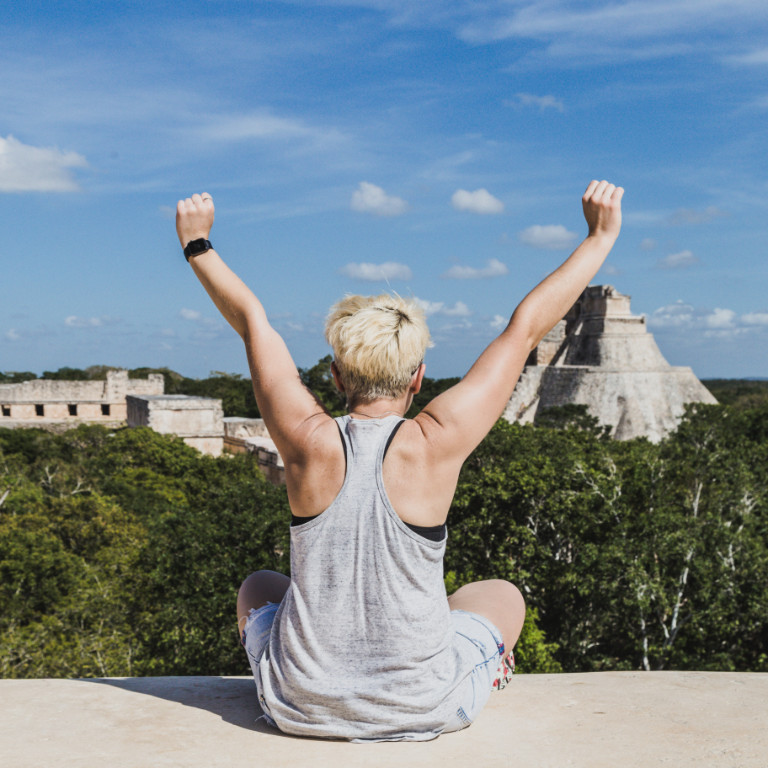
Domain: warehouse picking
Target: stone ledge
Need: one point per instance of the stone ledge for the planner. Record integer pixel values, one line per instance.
(606, 719)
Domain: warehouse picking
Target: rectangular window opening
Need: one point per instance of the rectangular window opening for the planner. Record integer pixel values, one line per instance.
(39, 410)
(72, 409)
(6, 410)
(105, 409)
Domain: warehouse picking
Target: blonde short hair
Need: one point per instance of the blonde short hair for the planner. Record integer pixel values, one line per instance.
(378, 344)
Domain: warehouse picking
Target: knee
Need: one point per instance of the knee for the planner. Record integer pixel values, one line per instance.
(249, 579)
(509, 593)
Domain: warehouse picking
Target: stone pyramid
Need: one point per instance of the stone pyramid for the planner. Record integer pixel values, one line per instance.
(602, 356)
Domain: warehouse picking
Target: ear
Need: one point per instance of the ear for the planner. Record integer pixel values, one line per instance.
(337, 377)
(417, 379)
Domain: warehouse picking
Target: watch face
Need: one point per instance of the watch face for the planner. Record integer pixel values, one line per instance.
(198, 246)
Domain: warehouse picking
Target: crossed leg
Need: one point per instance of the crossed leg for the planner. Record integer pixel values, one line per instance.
(498, 601)
(258, 589)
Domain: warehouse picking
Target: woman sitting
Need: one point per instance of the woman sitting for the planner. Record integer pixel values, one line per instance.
(361, 642)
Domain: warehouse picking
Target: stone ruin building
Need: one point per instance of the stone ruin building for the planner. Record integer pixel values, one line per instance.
(59, 405)
(45, 403)
(199, 421)
(602, 356)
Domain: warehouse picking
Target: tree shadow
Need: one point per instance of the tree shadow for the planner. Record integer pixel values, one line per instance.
(233, 699)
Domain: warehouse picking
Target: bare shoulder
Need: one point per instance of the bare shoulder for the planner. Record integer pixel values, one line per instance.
(420, 481)
(315, 472)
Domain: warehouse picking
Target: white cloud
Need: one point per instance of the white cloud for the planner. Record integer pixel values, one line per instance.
(499, 322)
(12, 335)
(430, 307)
(679, 260)
(493, 268)
(459, 309)
(552, 236)
(190, 314)
(610, 269)
(647, 244)
(755, 318)
(389, 270)
(690, 323)
(480, 201)
(672, 316)
(368, 198)
(720, 318)
(24, 168)
(542, 102)
(73, 321)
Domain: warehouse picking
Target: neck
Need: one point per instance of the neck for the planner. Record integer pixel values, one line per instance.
(377, 414)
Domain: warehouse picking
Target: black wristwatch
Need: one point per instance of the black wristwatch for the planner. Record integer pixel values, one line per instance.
(196, 247)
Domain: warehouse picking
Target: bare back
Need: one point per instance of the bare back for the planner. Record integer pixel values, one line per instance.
(420, 487)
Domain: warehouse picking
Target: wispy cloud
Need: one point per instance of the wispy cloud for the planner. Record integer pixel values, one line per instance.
(24, 168)
(499, 322)
(190, 314)
(493, 268)
(480, 201)
(680, 260)
(73, 321)
(758, 57)
(267, 126)
(694, 216)
(389, 270)
(531, 100)
(368, 198)
(629, 20)
(550, 236)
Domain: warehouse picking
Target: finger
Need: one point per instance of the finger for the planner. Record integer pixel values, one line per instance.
(608, 192)
(196, 199)
(600, 191)
(206, 198)
(618, 193)
(591, 188)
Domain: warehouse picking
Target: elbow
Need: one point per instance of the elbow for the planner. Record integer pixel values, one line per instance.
(524, 329)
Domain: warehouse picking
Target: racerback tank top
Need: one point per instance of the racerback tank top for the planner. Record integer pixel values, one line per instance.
(362, 644)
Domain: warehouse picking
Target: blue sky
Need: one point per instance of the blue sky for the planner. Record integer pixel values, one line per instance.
(438, 149)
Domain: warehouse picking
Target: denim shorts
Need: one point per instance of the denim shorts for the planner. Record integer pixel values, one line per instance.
(478, 642)
(256, 631)
(481, 648)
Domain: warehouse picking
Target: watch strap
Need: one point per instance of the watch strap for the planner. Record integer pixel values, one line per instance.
(196, 247)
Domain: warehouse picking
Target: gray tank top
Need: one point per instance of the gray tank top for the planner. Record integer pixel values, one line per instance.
(362, 644)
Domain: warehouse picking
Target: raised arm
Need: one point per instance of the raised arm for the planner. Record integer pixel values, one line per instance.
(457, 420)
(284, 402)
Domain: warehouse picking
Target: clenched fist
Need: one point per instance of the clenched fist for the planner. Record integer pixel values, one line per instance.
(194, 218)
(602, 209)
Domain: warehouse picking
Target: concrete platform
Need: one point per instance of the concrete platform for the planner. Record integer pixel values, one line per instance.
(611, 719)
